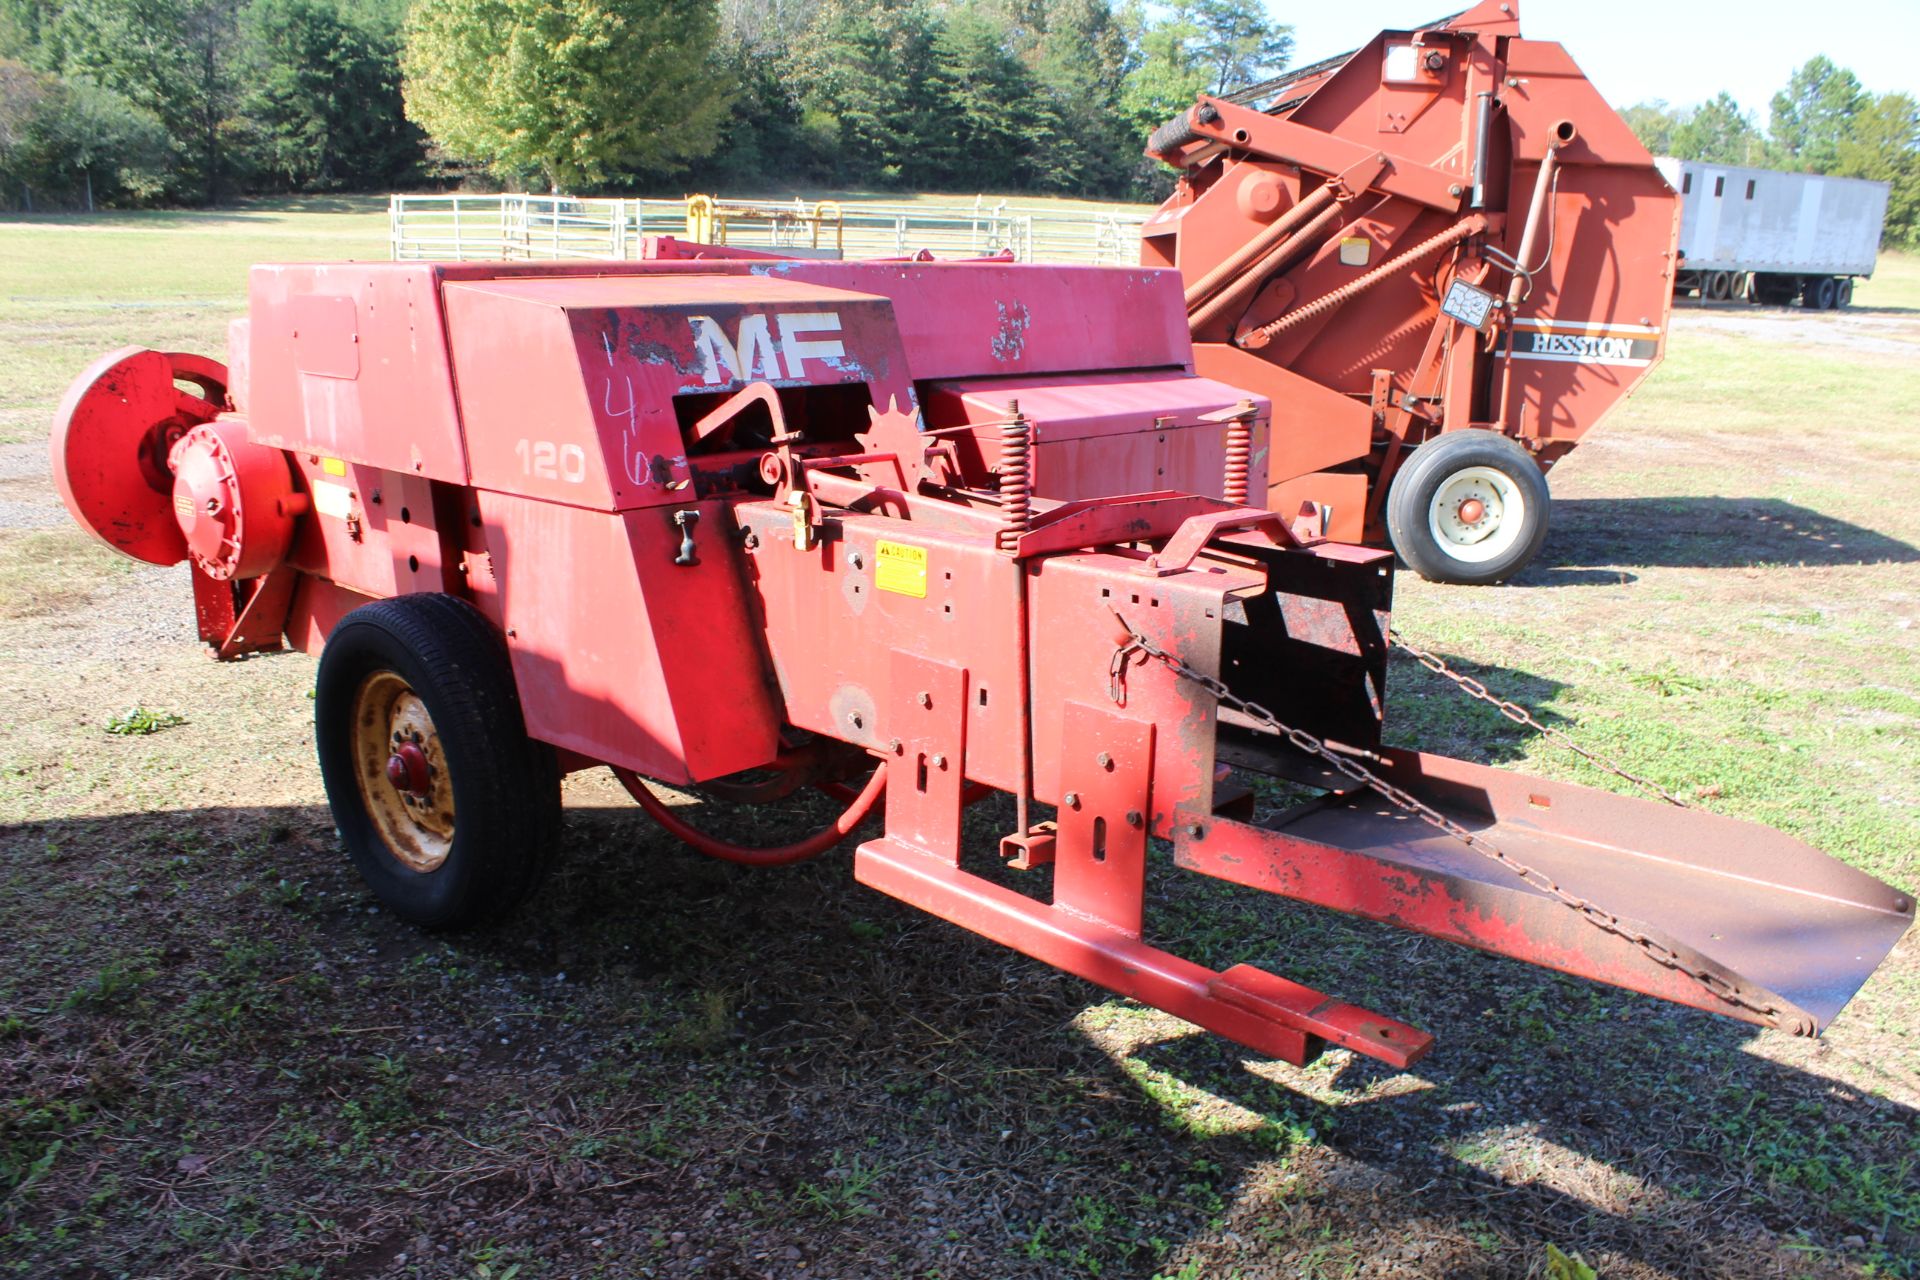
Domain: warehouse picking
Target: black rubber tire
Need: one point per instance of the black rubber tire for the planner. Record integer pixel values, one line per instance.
(1174, 133)
(506, 787)
(1843, 293)
(1819, 293)
(1415, 485)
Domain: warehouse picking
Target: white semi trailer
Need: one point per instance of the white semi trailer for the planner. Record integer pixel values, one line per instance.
(1771, 237)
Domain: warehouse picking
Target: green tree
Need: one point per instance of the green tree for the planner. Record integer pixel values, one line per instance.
(1883, 144)
(1167, 73)
(986, 102)
(1720, 131)
(1078, 140)
(1239, 44)
(1812, 114)
(574, 91)
(1654, 124)
(178, 59)
(870, 94)
(70, 142)
(326, 98)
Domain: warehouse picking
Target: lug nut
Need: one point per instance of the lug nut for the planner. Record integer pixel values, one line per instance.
(1104, 760)
(1071, 799)
(938, 762)
(1133, 818)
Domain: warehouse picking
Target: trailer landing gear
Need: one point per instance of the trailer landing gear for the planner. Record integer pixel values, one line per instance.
(1468, 507)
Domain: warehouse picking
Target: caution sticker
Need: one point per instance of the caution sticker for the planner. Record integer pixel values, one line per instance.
(900, 569)
(333, 466)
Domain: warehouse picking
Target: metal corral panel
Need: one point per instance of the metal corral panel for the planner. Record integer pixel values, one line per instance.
(1738, 219)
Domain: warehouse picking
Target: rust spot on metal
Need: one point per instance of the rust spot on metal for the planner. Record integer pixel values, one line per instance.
(1010, 340)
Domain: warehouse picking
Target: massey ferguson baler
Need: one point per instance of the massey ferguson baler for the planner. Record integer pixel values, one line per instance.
(927, 531)
(1443, 257)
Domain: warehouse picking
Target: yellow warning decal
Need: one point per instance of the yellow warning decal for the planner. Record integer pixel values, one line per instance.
(183, 506)
(333, 466)
(900, 569)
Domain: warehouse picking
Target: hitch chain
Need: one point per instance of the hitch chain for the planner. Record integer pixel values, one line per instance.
(1521, 716)
(1591, 912)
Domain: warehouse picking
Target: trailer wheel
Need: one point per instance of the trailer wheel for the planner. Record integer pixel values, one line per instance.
(1819, 293)
(449, 811)
(1843, 294)
(1468, 507)
(1719, 286)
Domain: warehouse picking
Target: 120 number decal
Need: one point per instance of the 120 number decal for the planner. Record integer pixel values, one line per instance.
(545, 460)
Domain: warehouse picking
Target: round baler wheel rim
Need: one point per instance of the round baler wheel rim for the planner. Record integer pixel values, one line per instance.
(1500, 521)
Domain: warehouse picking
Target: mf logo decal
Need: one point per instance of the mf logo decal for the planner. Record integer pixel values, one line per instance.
(762, 343)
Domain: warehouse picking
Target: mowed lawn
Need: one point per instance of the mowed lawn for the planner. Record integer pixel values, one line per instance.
(217, 1058)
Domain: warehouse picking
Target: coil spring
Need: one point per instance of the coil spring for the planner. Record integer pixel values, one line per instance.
(1239, 461)
(1016, 476)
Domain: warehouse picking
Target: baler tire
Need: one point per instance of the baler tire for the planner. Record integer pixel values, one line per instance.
(505, 787)
(1460, 457)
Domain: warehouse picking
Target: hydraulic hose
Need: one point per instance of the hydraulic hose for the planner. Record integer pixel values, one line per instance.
(778, 856)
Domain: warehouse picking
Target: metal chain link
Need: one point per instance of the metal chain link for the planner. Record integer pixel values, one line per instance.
(1586, 909)
(1521, 716)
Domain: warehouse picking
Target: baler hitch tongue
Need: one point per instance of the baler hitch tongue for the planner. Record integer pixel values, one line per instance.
(1723, 915)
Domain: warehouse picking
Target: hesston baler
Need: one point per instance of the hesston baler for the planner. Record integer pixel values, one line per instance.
(927, 530)
(1443, 258)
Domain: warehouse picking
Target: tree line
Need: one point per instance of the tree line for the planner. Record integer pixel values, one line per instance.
(130, 102)
(1824, 121)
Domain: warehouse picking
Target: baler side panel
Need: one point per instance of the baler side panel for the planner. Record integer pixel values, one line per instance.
(349, 361)
(966, 319)
(568, 385)
(832, 627)
(620, 654)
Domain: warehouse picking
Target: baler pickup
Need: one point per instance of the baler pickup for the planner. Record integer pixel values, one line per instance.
(1708, 911)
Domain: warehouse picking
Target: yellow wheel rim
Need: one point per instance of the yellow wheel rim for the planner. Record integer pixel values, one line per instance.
(402, 771)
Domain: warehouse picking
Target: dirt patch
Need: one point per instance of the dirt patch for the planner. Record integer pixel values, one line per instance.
(1891, 332)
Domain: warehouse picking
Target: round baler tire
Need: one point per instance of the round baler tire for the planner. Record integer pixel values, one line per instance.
(504, 788)
(1457, 458)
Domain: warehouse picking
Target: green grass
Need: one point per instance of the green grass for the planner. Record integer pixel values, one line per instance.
(1895, 283)
(75, 286)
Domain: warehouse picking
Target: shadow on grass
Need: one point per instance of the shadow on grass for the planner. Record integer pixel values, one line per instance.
(669, 1064)
(1703, 532)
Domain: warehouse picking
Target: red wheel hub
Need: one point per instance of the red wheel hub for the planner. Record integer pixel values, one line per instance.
(407, 770)
(1472, 510)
